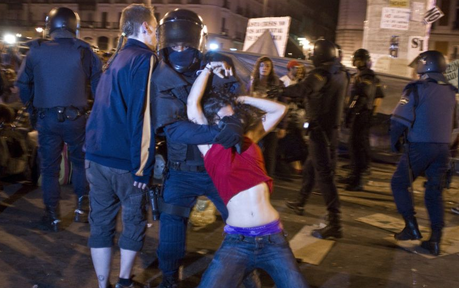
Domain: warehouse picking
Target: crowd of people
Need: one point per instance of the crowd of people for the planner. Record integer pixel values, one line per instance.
(222, 142)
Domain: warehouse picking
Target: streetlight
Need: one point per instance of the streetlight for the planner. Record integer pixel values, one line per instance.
(9, 39)
(39, 29)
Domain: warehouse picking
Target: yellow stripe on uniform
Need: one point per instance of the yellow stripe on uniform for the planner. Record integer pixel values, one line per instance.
(146, 129)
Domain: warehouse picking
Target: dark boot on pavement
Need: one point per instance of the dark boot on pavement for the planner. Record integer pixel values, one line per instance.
(169, 281)
(297, 206)
(332, 230)
(354, 183)
(410, 232)
(51, 220)
(433, 244)
(82, 209)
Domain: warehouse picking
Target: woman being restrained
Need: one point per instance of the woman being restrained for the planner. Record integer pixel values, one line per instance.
(254, 236)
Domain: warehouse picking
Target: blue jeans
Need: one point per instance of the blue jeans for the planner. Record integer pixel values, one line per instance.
(238, 256)
(182, 189)
(431, 158)
(111, 189)
(51, 137)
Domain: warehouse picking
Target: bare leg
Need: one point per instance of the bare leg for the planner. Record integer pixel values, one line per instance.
(101, 259)
(127, 262)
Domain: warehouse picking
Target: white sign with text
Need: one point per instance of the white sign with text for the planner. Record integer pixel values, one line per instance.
(277, 26)
(395, 18)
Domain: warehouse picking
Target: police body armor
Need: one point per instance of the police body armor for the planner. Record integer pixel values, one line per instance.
(415, 110)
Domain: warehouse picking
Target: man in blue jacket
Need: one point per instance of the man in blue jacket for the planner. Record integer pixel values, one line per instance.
(425, 116)
(120, 146)
(54, 79)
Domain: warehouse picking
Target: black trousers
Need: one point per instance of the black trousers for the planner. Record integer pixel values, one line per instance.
(359, 144)
(322, 147)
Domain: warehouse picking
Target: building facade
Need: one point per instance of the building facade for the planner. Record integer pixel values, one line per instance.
(353, 15)
(226, 20)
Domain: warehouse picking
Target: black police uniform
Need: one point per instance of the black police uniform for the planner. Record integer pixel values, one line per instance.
(365, 89)
(187, 178)
(426, 114)
(323, 92)
(55, 76)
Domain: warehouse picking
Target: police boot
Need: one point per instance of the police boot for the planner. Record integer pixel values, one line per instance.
(433, 244)
(410, 232)
(82, 209)
(169, 281)
(51, 219)
(297, 206)
(332, 230)
(354, 185)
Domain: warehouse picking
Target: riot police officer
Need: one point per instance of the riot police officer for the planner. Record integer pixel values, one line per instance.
(366, 95)
(54, 78)
(181, 43)
(425, 115)
(323, 93)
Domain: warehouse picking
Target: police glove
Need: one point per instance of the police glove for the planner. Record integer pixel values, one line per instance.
(231, 133)
(274, 92)
(397, 130)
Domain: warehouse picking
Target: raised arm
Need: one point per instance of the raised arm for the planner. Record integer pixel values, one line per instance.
(275, 111)
(193, 105)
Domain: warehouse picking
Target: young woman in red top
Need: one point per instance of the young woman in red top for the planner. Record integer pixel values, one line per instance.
(254, 239)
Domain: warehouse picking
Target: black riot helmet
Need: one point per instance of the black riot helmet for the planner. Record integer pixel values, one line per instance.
(429, 61)
(324, 51)
(182, 26)
(361, 58)
(62, 18)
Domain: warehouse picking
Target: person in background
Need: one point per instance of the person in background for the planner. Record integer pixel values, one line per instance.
(323, 95)
(291, 77)
(53, 78)
(425, 118)
(365, 98)
(262, 80)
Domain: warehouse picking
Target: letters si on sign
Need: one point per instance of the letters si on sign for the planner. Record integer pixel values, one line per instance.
(432, 15)
(416, 45)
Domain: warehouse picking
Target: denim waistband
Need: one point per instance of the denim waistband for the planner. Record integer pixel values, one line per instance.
(263, 230)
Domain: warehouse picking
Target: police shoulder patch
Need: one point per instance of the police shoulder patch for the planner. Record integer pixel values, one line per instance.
(404, 101)
(319, 77)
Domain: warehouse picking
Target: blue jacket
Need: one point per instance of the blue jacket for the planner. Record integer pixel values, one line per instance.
(427, 109)
(119, 133)
(58, 72)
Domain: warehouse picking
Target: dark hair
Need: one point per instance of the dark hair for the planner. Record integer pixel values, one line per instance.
(217, 99)
(272, 77)
(131, 20)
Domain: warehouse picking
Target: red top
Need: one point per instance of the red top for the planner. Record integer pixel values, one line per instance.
(232, 172)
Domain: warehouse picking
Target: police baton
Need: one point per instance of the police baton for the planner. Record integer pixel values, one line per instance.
(154, 193)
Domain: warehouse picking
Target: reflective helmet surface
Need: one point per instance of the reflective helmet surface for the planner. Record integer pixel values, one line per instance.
(182, 26)
(360, 57)
(430, 61)
(324, 51)
(63, 18)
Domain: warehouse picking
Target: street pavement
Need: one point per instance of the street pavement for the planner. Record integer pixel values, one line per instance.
(365, 257)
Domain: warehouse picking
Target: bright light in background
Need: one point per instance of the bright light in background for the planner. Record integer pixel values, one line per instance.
(39, 29)
(307, 45)
(9, 38)
(233, 49)
(18, 35)
(213, 46)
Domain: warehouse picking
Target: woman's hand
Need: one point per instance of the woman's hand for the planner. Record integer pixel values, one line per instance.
(220, 68)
